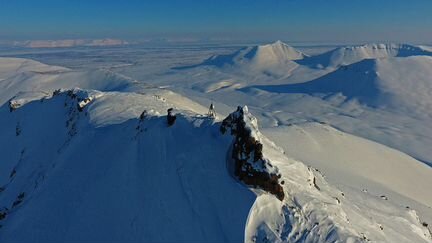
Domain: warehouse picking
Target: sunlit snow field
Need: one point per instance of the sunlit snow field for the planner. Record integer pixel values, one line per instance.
(360, 116)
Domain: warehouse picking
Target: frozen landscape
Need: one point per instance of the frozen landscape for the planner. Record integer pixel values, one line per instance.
(309, 143)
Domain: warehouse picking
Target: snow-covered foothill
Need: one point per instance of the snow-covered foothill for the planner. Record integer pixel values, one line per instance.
(351, 54)
(275, 59)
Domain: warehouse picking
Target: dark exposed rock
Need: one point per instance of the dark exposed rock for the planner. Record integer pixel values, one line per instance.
(171, 117)
(71, 94)
(17, 129)
(143, 115)
(3, 213)
(56, 92)
(83, 103)
(140, 127)
(12, 174)
(212, 112)
(250, 165)
(13, 105)
(19, 199)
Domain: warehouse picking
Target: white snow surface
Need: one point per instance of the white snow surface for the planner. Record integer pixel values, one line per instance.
(275, 59)
(352, 54)
(104, 174)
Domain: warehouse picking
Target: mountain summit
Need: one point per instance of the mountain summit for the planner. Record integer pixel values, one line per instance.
(270, 54)
(276, 59)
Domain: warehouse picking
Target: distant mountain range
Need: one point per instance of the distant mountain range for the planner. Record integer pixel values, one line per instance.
(69, 43)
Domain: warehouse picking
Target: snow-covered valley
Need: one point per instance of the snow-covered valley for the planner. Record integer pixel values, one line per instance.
(328, 147)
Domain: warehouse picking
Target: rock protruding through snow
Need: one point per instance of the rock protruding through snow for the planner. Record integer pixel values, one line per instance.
(250, 165)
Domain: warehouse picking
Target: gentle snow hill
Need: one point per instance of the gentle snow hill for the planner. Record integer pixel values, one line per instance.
(11, 66)
(272, 59)
(23, 75)
(402, 84)
(352, 54)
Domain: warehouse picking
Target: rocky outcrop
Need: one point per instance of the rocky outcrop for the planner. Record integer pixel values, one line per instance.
(13, 105)
(171, 117)
(251, 166)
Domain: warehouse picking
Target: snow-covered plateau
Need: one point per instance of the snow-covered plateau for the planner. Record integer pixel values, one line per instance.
(118, 144)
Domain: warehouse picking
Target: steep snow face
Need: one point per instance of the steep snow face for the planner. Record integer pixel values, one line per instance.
(65, 179)
(353, 54)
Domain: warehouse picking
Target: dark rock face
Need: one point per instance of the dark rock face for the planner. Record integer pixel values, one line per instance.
(250, 166)
(18, 200)
(171, 117)
(3, 213)
(13, 105)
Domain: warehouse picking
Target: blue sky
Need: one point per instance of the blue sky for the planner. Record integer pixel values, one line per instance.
(293, 20)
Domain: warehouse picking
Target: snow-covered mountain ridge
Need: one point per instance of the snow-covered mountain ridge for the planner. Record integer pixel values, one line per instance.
(142, 158)
(352, 54)
(103, 165)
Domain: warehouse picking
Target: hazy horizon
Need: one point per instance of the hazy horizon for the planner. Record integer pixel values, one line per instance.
(292, 21)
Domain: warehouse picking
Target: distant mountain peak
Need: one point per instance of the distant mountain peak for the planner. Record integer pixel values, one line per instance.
(351, 54)
(275, 59)
(281, 51)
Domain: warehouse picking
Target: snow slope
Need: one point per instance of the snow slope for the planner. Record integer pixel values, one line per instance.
(355, 161)
(89, 165)
(352, 54)
(401, 84)
(275, 59)
(147, 184)
(24, 75)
